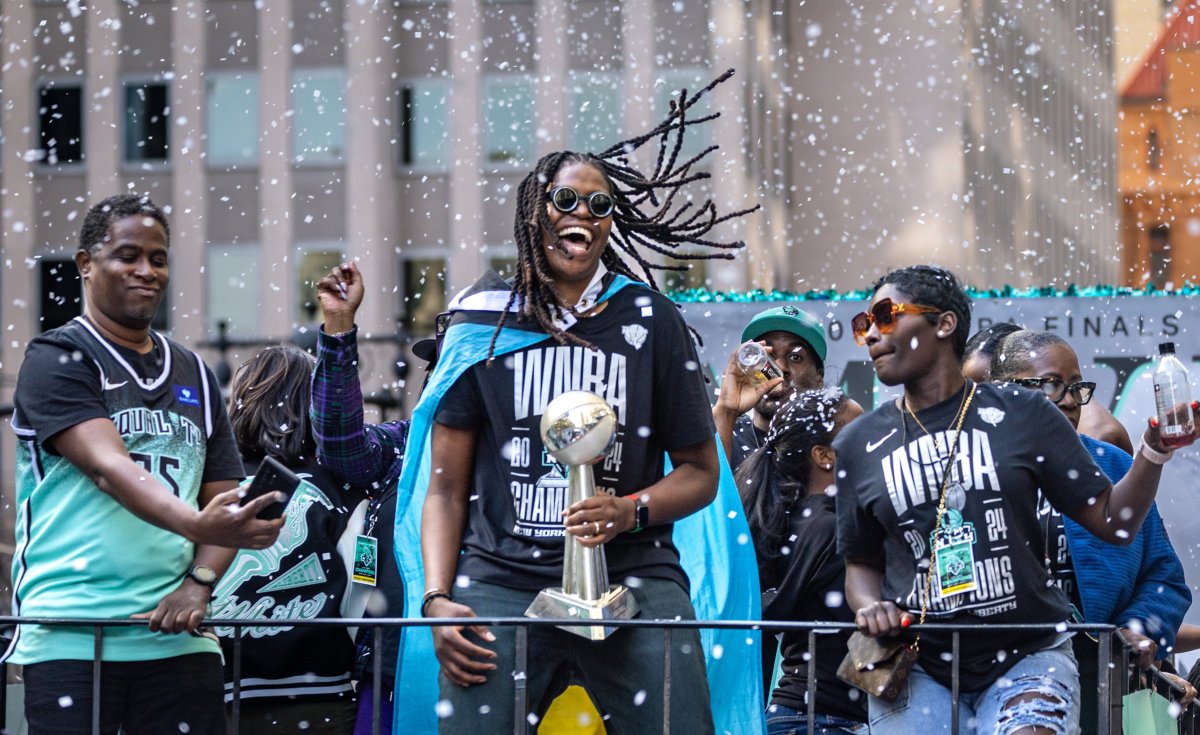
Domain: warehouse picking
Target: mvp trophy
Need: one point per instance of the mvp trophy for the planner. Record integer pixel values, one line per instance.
(578, 429)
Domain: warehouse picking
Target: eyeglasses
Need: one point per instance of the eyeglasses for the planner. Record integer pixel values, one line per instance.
(1056, 390)
(565, 199)
(883, 315)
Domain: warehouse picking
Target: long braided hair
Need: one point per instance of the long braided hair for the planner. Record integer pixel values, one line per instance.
(646, 215)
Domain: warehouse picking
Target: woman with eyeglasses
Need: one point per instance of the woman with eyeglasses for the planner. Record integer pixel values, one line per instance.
(938, 519)
(1140, 587)
(786, 487)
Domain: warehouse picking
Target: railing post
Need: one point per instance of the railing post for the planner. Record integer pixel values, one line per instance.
(1104, 677)
(955, 645)
(667, 681)
(97, 653)
(377, 676)
(812, 680)
(521, 688)
(237, 679)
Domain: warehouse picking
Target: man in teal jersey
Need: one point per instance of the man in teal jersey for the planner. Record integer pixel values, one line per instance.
(127, 476)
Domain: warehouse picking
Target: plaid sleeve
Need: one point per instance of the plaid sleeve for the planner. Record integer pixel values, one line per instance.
(357, 453)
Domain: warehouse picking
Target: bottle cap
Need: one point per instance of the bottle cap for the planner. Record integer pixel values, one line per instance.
(1166, 348)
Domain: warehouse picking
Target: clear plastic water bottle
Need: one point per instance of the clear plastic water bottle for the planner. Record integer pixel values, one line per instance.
(1173, 398)
(754, 361)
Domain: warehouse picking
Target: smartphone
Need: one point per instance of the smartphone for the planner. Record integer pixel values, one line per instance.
(272, 476)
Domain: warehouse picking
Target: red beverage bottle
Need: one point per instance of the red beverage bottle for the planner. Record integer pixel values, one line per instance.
(1173, 398)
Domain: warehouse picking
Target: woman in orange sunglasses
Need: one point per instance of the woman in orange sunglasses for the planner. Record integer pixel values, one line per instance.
(937, 519)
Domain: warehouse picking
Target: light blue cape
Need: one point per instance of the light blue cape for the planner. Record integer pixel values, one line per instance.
(714, 547)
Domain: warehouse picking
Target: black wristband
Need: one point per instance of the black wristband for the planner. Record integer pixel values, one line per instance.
(430, 597)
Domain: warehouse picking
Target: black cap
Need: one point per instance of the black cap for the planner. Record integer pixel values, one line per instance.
(1166, 348)
(426, 349)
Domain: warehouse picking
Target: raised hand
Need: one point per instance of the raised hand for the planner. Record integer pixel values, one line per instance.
(340, 293)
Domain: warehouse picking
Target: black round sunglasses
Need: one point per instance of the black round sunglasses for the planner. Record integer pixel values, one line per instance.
(565, 199)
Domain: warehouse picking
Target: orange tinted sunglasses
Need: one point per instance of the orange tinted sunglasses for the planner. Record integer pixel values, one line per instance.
(883, 315)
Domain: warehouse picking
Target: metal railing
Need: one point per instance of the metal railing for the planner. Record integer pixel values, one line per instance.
(1110, 642)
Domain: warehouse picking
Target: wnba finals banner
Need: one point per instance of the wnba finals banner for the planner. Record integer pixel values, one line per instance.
(1116, 338)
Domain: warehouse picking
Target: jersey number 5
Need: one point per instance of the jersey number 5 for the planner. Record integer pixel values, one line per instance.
(166, 465)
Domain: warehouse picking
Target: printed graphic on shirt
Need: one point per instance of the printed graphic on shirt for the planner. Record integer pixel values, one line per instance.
(542, 373)
(974, 571)
(539, 489)
(538, 507)
(266, 562)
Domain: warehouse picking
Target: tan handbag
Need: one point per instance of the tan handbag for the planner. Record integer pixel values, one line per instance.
(880, 666)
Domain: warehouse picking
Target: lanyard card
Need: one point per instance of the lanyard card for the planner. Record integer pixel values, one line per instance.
(366, 560)
(955, 555)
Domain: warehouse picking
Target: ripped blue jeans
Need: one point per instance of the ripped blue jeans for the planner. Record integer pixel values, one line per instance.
(923, 707)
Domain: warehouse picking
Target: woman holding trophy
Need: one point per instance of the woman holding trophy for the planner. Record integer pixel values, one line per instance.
(495, 516)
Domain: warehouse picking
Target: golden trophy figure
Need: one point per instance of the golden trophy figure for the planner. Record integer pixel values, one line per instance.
(578, 429)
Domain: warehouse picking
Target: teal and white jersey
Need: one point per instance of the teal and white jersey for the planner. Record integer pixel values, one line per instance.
(80, 553)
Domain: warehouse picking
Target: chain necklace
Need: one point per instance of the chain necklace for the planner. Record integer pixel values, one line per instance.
(958, 414)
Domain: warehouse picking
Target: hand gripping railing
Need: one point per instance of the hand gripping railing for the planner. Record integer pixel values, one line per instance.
(1108, 635)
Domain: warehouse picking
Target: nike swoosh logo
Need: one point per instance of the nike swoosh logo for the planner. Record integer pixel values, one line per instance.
(113, 386)
(872, 446)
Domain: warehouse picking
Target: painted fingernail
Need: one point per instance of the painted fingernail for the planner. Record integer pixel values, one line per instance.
(1154, 421)
(905, 621)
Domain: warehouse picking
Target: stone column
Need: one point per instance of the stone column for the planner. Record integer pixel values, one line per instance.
(465, 260)
(275, 227)
(551, 61)
(189, 189)
(105, 100)
(370, 160)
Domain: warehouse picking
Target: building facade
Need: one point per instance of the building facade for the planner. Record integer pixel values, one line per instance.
(287, 135)
(1160, 157)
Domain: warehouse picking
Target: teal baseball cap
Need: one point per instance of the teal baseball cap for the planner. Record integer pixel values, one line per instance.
(791, 320)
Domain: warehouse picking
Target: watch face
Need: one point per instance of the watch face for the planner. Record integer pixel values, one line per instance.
(204, 575)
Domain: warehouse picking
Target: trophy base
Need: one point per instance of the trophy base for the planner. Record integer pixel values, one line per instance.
(616, 604)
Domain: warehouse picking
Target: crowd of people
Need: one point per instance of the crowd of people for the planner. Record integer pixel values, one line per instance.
(982, 495)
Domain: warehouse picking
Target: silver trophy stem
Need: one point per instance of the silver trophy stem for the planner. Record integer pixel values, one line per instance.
(578, 429)
(585, 573)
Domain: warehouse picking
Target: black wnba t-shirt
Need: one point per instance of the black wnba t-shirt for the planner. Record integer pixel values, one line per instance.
(889, 478)
(645, 366)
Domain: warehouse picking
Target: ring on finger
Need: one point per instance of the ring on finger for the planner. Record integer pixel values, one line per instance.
(597, 526)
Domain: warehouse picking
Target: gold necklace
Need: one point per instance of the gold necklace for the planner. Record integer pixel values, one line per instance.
(957, 417)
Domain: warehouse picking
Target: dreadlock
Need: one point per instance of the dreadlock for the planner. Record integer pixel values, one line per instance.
(645, 216)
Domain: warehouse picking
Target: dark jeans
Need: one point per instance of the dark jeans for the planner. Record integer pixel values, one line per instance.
(787, 721)
(284, 717)
(144, 697)
(624, 675)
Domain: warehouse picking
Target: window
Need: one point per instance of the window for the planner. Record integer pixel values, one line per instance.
(595, 104)
(232, 104)
(61, 292)
(424, 124)
(1153, 150)
(147, 121)
(319, 119)
(508, 112)
(696, 276)
(424, 292)
(61, 295)
(1160, 256)
(60, 123)
(314, 263)
(505, 265)
(666, 90)
(231, 282)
